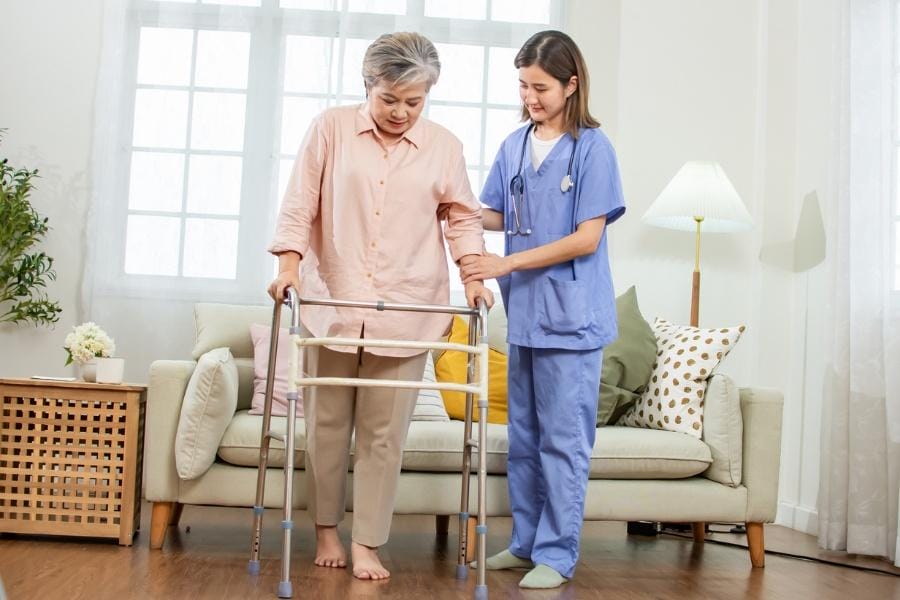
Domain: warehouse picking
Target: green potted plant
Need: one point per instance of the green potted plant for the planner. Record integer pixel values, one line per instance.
(24, 270)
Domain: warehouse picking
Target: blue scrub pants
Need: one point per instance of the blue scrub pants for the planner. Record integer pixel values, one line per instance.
(553, 397)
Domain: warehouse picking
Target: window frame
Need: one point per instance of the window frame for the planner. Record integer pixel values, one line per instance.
(269, 27)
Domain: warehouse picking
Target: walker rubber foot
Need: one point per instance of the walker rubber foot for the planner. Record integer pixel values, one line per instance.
(253, 567)
(284, 589)
(481, 592)
(462, 571)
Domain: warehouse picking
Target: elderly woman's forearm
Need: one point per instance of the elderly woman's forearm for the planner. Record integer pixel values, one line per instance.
(288, 262)
(464, 233)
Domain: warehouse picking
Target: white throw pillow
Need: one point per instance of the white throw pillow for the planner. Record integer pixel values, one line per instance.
(429, 404)
(723, 431)
(208, 406)
(686, 358)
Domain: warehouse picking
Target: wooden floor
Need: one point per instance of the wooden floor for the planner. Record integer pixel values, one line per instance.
(209, 561)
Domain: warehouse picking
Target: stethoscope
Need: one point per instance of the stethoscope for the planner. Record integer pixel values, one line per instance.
(517, 187)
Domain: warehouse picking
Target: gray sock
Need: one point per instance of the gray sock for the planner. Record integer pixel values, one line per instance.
(542, 577)
(504, 560)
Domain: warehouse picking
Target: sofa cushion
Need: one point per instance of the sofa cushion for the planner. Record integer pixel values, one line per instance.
(429, 403)
(723, 431)
(628, 453)
(245, 382)
(619, 452)
(497, 329)
(262, 337)
(228, 325)
(206, 411)
(627, 361)
(451, 368)
(686, 357)
(240, 444)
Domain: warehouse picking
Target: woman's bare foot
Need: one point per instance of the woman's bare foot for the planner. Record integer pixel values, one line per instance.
(330, 551)
(366, 564)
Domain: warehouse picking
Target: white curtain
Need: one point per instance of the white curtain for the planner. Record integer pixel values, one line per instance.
(860, 475)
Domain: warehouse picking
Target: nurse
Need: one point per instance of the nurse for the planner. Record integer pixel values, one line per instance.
(553, 188)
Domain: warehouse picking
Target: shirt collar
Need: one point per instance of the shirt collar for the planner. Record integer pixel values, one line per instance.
(365, 122)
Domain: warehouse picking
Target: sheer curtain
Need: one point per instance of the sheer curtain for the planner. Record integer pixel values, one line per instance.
(201, 105)
(860, 475)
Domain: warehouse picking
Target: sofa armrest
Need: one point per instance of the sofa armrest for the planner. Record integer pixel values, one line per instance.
(761, 410)
(168, 382)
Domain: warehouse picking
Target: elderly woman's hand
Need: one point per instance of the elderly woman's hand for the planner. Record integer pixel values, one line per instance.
(284, 280)
(475, 290)
(479, 268)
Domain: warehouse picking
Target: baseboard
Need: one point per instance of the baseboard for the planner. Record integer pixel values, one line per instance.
(800, 518)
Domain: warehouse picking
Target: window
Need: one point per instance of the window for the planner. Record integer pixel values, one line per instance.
(222, 93)
(184, 193)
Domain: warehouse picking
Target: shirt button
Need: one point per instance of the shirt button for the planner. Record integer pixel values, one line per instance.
(381, 182)
(368, 275)
(385, 155)
(373, 244)
(377, 213)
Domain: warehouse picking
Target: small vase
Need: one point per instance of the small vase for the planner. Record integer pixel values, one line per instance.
(89, 371)
(110, 370)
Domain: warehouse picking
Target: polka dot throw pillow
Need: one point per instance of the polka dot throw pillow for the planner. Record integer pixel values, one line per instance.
(685, 359)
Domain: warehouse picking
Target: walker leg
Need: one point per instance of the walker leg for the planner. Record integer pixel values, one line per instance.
(464, 554)
(481, 591)
(287, 524)
(256, 535)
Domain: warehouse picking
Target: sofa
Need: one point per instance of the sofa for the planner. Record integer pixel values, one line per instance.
(729, 475)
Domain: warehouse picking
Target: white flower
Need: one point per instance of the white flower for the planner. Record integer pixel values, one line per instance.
(87, 341)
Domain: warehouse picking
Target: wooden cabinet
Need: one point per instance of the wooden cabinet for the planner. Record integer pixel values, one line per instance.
(71, 455)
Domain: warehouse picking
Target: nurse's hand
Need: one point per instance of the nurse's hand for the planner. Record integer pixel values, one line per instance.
(489, 266)
(475, 290)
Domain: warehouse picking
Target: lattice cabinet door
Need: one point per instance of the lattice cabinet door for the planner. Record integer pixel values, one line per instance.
(71, 456)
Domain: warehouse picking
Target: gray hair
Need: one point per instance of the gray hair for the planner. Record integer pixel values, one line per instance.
(401, 58)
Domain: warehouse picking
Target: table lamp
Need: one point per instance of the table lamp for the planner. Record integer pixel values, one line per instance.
(700, 194)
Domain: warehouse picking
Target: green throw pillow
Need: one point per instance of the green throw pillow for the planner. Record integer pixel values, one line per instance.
(627, 362)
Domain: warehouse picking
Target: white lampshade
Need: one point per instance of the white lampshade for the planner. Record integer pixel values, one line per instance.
(699, 189)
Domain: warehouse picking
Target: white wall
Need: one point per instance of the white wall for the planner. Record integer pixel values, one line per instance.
(686, 90)
(746, 83)
(49, 55)
(50, 116)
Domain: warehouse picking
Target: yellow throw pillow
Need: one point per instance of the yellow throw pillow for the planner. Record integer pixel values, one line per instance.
(451, 368)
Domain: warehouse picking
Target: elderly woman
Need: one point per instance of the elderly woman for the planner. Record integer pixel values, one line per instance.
(362, 220)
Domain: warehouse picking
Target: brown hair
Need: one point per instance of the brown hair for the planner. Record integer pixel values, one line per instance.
(557, 54)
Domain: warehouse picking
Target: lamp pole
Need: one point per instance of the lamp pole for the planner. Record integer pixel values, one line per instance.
(695, 287)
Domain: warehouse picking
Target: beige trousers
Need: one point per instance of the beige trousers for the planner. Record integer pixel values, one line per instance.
(380, 417)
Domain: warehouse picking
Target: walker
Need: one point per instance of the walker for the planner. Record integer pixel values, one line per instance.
(476, 385)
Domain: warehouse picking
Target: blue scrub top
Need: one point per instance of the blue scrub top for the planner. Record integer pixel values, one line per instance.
(570, 305)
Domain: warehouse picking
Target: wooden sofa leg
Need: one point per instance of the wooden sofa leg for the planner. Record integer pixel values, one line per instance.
(699, 532)
(756, 542)
(442, 525)
(176, 514)
(471, 539)
(159, 522)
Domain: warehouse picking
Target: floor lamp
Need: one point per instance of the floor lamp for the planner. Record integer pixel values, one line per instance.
(699, 196)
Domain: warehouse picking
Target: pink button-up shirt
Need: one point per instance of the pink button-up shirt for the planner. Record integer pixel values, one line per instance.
(364, 218)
